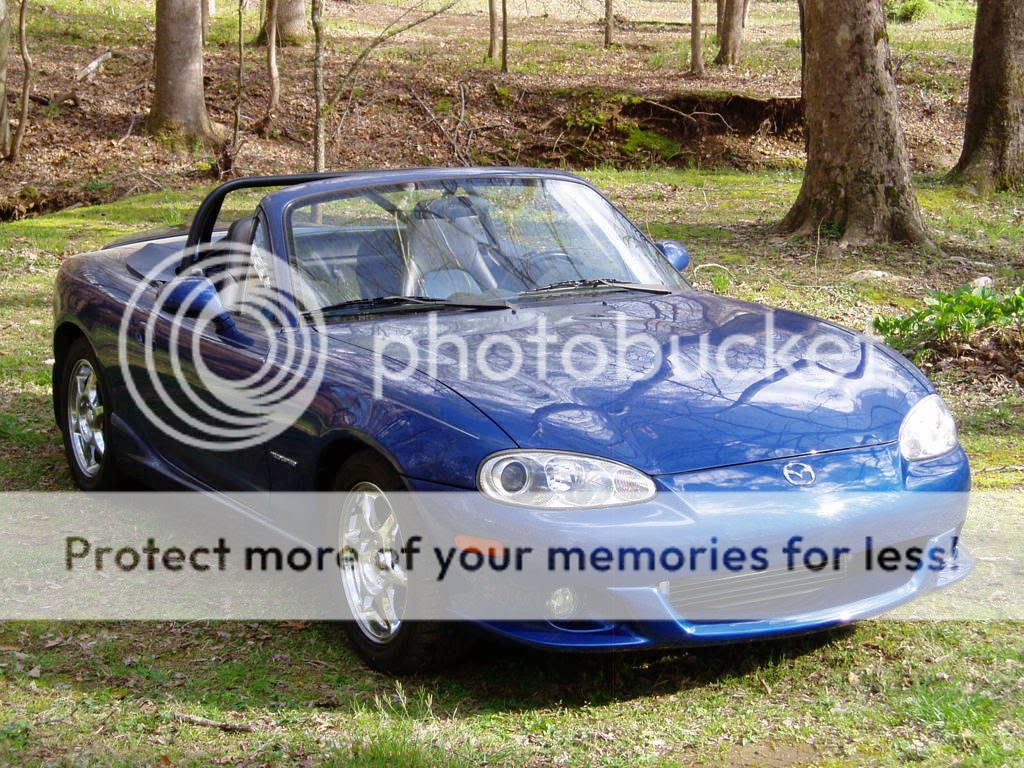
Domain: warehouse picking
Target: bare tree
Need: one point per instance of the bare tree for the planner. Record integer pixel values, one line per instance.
(731, 34)
(273, 74)
(230, 150)
(696, 41)
(494, 41)
(993, 153)
(292, 23)
(5, 47)
(347, 83)
(179, 103)
(504, 35)
(26, 84)
(319, 93)
(609, 23)
(857, 183)
(209, 9)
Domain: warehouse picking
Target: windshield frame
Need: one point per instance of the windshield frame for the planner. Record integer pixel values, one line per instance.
(459, 176)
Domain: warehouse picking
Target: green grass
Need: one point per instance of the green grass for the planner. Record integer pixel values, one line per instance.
(881, 694)
(872, 695)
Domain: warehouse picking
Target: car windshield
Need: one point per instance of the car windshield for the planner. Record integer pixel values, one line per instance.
(467, 239)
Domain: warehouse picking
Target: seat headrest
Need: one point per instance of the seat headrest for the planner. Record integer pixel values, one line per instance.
(447, 207)
(241, 231)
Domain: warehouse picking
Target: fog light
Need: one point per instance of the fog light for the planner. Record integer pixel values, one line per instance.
(563, 604)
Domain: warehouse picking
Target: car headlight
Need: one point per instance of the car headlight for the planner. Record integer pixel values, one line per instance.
(553, 480)
(928, 430)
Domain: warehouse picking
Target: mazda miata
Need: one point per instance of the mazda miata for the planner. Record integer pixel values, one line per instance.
(507, 334)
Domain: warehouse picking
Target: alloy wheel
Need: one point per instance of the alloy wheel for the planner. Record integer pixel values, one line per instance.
(85, 418)
(375, 584)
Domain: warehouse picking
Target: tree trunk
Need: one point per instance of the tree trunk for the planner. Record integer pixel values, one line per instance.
(494, 43)
(5, 48)
(720, 21)
(320, 120)
(26, 84)
(732, 33)
(273, 74)
(857, 182)
(504, 35)
(609, 23)
(179, 104)
(696, 41)
(292, 23)
(746, 11)
(206, 19)
(993, 154)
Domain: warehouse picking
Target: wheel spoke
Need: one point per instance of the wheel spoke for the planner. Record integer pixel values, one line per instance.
(397, 576)
(387, 607)
(366, 503)
(387, 529)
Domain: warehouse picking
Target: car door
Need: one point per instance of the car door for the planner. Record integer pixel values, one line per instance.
(206, 371)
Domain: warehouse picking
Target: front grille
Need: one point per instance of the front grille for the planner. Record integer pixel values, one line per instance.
(777, 593)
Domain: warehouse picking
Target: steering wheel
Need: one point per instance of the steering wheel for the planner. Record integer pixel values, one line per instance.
(542, 266)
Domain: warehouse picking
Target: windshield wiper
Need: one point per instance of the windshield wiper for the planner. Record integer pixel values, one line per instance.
(600, 283)
(401, 303)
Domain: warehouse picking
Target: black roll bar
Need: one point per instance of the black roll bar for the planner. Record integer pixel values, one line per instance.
(206, 216)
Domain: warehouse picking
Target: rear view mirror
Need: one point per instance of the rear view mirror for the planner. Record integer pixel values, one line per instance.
(675, 252)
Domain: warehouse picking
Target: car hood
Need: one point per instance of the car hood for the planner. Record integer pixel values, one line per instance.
(693, 381)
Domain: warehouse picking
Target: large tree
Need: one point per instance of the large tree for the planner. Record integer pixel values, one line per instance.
(292, 23)
(731, 34)
(857, 182)
(179, 103)
(993, 154)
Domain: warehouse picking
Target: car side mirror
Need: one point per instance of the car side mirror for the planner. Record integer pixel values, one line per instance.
(675, 252)
(195, 296)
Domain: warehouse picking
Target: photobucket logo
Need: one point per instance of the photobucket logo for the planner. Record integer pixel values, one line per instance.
(757, 349)
(213, 357)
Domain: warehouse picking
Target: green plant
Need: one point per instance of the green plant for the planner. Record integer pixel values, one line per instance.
(587, 118)
(908, 10)
(952, 317)
(640, 140)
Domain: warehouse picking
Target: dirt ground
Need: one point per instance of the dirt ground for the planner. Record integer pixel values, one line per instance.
(428, 98)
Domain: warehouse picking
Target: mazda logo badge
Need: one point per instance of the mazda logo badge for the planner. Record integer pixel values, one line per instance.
(798, 473)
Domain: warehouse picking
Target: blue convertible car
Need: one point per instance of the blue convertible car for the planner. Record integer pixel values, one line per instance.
(507, 334)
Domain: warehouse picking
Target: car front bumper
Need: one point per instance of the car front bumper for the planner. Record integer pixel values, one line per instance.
(926, 503)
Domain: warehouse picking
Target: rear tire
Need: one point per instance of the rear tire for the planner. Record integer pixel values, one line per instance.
(84, 411)
(410, 647)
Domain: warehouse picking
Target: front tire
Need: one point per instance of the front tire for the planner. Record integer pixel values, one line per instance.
(377, 592)
(85, 420)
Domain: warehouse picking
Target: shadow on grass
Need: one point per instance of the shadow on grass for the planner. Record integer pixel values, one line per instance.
(500, 676)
